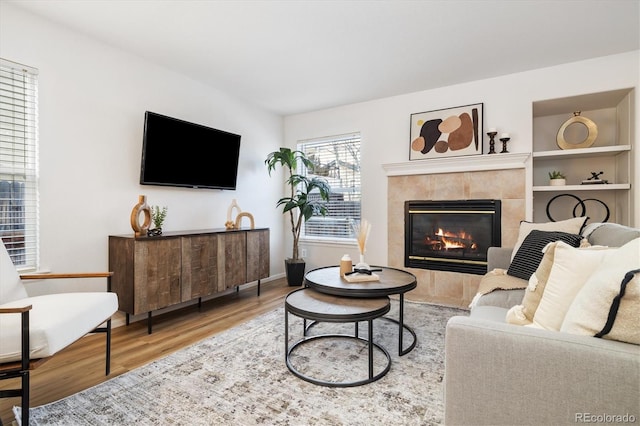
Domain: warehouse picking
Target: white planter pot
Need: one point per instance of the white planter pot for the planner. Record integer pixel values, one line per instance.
(557, 182)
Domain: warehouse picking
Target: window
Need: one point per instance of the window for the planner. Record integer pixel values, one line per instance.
(18, 162)
(336, 159)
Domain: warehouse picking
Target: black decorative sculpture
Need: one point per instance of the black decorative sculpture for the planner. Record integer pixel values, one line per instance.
(594, 179)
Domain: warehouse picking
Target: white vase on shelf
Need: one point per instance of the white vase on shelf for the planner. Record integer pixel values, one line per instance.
(557, 182)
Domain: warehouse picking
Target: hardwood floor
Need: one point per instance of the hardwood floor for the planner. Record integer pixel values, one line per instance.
(81, 365)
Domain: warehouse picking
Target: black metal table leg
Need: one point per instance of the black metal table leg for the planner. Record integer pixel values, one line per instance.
(286, 333)
(401, 328)
(370, 348)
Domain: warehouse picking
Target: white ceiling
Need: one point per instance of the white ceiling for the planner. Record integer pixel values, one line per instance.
(297, 56)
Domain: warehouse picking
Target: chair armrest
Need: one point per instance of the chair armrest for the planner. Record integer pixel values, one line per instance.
(498, 257)
(72, 275)
(17, 310)
(106, 275)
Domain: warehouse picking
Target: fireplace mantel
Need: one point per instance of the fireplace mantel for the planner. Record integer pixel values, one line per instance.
(458, 164)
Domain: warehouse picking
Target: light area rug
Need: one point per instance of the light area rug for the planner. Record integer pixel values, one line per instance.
(239, 377)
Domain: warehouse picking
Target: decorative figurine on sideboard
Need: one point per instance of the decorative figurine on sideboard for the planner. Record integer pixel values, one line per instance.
(143, 208)
(594, 179)
(230, 224)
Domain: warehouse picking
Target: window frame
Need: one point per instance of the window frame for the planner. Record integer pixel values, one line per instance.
(19, 205)
(355, 193)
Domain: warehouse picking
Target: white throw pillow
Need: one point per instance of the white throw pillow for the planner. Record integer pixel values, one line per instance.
(571, 226)
(589, 311)
(571, 269)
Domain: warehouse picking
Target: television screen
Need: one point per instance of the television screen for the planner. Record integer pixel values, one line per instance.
(179, 153)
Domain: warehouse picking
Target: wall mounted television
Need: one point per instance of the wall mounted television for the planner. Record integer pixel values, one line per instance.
(179, 153)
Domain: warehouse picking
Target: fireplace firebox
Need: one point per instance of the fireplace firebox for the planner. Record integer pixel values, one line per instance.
(451, 235)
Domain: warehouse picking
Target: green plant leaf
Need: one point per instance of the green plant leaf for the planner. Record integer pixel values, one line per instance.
(299, 205)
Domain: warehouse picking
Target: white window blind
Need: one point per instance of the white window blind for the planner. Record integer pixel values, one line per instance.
(18, 162)
(336, 159)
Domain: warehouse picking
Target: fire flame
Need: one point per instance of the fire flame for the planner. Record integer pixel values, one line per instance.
(450, 243)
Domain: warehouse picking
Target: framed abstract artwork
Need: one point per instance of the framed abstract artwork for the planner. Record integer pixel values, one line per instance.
(449, 132)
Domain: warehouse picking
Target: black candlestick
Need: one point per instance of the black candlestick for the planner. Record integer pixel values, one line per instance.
(504, 145)
(492, 142)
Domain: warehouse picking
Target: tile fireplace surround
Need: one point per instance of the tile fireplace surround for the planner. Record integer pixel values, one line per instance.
(500, 176)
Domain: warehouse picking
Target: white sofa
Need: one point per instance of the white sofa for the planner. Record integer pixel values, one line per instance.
(498, 373)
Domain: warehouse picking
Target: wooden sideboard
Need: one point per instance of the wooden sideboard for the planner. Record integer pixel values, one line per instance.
(152, 273)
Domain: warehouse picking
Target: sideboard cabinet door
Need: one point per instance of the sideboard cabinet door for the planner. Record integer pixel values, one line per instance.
(156, 274)
(199, 266)
(257, 254)
(234, 262)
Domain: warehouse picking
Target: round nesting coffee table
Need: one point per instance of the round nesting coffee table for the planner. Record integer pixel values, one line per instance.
(392, 281)
(311, 305)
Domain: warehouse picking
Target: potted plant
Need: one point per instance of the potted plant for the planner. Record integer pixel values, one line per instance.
(298, 203)
(157, 216)
(557, 179)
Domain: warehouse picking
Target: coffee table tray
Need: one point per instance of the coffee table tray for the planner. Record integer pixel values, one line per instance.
(360, 278)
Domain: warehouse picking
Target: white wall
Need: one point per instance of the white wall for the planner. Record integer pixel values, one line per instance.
(92, 103)
(384, 125)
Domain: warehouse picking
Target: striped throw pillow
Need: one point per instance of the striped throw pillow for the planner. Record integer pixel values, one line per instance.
(529, 254)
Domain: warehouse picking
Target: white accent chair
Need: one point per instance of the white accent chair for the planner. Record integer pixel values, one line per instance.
(32, 329)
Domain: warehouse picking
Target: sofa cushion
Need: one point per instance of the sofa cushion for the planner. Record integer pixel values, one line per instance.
(592, 306)
(11, 287)
(529, 254)
(502, 298)
(571, 226)
(571, 268)
(496, 280)
(610, 234)
(491, 313)
(56, 321)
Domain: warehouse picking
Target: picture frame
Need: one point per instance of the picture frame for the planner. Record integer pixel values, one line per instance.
(448, 132)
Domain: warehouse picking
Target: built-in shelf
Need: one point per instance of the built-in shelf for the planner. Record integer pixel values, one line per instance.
(599, 151)
(572, 188)
(610, 156)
